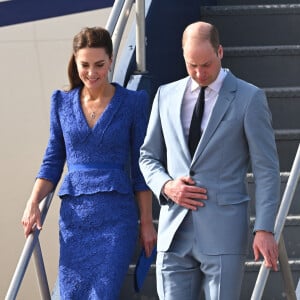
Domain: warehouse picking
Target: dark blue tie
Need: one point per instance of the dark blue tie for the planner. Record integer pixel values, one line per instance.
(195, 127)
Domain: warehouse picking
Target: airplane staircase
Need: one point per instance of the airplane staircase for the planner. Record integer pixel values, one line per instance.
(261, 45)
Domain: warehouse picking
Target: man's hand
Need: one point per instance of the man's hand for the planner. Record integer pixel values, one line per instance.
(184, 192)
(264, 244)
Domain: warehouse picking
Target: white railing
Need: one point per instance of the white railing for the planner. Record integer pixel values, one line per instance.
(279, 224)
(32, 245)
(116, 25)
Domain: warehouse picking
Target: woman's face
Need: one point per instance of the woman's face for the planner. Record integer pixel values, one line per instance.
(93, 66)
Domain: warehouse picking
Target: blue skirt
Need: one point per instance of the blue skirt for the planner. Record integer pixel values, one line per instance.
(98, 235)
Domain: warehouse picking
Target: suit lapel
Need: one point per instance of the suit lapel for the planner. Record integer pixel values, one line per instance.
(226, 96)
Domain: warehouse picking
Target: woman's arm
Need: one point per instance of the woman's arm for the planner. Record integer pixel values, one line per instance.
(32, 215)
(148, 234)
(50, 170)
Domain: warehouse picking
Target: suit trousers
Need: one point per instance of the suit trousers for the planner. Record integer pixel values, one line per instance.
(183, 273)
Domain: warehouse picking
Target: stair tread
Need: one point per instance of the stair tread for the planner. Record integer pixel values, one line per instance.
(270, 50)
(290, 219)
(287, 134)
(250, 263)
(250, 9)
(286, 91)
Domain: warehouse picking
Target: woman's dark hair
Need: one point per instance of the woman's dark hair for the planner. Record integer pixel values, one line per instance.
(88, 37)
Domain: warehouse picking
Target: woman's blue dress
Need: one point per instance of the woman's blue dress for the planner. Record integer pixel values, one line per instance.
(98, 216)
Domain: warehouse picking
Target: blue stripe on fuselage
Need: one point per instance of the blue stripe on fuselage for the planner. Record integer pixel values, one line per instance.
(20, 11)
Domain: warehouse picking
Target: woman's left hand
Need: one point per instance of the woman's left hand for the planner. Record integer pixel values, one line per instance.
(148, 236)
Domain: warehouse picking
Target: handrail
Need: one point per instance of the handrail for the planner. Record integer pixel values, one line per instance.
(114, 15)
(31, 245)
(119, 28)
(280, 221)
(140, 37)
(285, 269)
(116, 26)
(41, 272)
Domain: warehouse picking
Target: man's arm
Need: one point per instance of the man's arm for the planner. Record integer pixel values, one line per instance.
(153, 153)
(265, 167)
(153, 163)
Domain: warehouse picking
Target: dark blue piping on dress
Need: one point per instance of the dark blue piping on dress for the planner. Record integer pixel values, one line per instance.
(95, 166)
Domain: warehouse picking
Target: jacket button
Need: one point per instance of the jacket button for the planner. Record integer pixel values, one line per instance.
(192, 173)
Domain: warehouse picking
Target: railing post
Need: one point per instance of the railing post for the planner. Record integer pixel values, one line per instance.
(280, 221)
(140, 37)
(286, 271)
(21, 266)
(41, 272)
(27, 251)
(113, 16)
(118, 31)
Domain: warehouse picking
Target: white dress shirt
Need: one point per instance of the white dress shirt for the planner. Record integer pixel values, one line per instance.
(190, 97)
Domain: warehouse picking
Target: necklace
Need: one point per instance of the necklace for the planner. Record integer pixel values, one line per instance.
(91, 111)
(93, 115)
(94, 104)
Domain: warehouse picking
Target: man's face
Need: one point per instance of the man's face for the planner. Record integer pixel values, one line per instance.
(202, 62)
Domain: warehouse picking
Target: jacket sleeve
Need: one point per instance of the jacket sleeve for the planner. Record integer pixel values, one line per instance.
(138, 131)
(264, 161)
(153, 154)
(55, 154)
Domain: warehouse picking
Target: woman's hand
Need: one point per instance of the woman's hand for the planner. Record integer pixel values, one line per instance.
(148, 236)
(31, 218)
(32, 215)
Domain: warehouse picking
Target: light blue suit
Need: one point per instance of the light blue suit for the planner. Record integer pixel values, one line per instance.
(239, 132)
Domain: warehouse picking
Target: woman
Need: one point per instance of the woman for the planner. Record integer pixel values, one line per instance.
(97, 128)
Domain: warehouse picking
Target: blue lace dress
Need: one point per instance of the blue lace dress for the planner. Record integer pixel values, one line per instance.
(98, 215)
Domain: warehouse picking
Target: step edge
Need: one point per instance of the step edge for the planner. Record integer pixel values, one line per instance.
(273, 50)
(249, 264)
(248, 10)
(291, 220)
(285, 91)
(287, 134)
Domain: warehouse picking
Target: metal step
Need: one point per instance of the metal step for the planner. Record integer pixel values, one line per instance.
(287, 142)
(253, 2)
(295, 205)
(265, 66)
(284, 103)
(284, 176)
(255, 25)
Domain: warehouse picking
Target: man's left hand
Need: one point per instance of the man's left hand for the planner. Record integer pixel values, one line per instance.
(264, 244)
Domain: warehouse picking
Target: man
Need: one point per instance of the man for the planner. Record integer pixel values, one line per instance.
(203, 224)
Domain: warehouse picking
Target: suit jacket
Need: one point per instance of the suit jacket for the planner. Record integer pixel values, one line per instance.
(239, 132)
